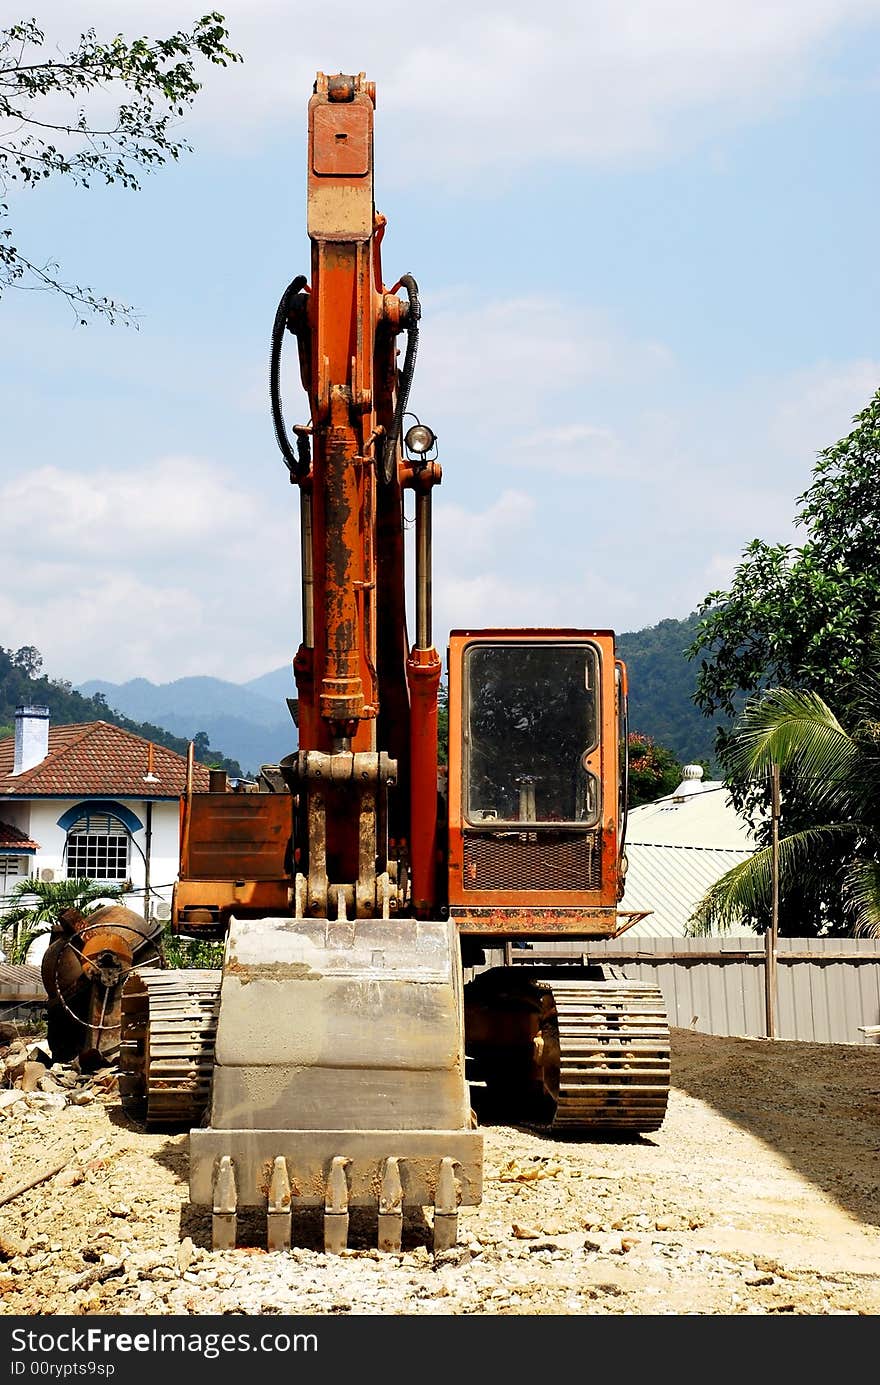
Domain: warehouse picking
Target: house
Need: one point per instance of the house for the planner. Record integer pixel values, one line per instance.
(90, 800)
(676, 848)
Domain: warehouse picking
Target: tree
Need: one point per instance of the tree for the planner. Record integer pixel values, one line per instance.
(654, 771)
(837, 773)
(662, 681)
(802, 617)
(29, 660)
(37, 907)
(47, 130)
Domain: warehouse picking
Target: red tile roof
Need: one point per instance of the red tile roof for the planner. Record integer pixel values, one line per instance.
(11, 837)
(97, 758)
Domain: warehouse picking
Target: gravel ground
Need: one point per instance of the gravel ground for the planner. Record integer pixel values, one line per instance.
(759, 1195)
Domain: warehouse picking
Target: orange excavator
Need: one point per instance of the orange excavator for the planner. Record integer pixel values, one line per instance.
(337, 1059)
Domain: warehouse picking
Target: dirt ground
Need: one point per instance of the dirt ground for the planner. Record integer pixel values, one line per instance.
(760, 1194)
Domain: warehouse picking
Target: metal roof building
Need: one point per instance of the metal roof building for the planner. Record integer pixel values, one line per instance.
(676, 848)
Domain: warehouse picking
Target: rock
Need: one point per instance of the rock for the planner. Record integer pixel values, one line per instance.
(79, 1098)
(48, 1084)
(64, 1076)
(8, 1031)
(10, 1098)
(757, 1281)
(47, 1101)
(455, 1256)
(185, 1253)
(108, 1267)
(524, 1233)
(68, 1178)
(31, 1075)
(106, 1082)
(567, 1241)
(10, 1246)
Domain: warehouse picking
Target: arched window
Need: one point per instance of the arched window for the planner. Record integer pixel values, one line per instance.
(98, 845)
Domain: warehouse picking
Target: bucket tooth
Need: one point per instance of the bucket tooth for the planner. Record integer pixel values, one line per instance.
(279, 1222)
(225, 1219)
(336, 1207)
(390, 1207)
(446, 1207)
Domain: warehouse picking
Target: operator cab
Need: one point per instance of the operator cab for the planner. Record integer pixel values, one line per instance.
(535, 730)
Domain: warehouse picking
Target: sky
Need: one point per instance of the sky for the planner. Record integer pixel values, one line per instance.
(644, 233)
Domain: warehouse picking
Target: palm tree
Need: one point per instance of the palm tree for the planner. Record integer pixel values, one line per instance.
(836, 773)
(38, 905)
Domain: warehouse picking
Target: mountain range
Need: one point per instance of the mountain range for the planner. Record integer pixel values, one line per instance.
(253, 717)
(251, 721)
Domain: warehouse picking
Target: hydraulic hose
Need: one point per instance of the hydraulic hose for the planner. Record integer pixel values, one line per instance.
(389, 451)
(297, 462)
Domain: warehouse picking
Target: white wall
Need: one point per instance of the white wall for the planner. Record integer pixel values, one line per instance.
(39, 820)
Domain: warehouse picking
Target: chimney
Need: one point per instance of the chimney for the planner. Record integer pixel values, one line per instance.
(31, 737)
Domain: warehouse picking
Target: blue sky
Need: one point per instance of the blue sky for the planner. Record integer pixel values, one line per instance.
(645, 239)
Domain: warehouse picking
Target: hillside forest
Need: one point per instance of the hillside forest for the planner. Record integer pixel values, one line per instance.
(22, 683)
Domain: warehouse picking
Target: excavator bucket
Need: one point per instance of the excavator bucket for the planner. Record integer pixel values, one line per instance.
(338, 1080)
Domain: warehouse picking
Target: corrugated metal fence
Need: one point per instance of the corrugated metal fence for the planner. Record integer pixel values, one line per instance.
(827, 988)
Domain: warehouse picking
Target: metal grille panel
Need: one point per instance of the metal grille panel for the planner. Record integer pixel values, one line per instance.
(532, 861)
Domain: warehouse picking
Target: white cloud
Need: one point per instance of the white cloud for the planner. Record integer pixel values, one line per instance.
(464, 536)
(463, 89)
(111, 515)
(818, 405)
(507, 368)
(572, 449)
(184, 567)
(171, 570)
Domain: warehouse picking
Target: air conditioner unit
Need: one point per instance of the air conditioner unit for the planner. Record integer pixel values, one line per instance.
(47, 874)
(163, 912)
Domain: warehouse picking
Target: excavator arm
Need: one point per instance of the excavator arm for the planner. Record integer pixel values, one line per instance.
(367, 703)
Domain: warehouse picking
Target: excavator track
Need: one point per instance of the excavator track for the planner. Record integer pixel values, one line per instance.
(169, 1025)
(565, 1050)
(609, 1055)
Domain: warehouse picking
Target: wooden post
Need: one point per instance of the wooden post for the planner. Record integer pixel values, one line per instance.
(771, 937)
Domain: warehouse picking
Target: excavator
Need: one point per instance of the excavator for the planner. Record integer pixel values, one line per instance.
(382, 972)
